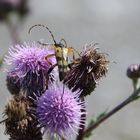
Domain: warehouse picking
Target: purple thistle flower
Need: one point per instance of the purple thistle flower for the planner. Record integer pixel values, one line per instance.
(8, 6)
(28, 64)
(12, 3)
(59, 111)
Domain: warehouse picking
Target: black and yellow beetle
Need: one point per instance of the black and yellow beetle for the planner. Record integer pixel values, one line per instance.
(61, 53)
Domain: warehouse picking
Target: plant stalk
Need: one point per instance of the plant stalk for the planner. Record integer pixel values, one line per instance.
(113, 111)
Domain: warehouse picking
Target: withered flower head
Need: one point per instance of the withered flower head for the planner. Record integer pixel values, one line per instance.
(20, 124)
(86, 70)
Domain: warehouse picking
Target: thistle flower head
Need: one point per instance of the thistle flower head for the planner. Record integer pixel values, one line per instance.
(86, 70)
(8, 6)
(5, 9)
(59, 110)
(12, 3)
(20, 124)
(29, 66)
(133, 71)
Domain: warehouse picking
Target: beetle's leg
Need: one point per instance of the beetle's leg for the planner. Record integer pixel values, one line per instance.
(47, 58)
(65, 43)
(48, 75)
(51, 68)
(70, 49)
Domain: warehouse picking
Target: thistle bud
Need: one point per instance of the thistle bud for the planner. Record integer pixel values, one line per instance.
(133, 71)
(13, 84)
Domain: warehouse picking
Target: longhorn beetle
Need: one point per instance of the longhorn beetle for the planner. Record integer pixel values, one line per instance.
(61, 53)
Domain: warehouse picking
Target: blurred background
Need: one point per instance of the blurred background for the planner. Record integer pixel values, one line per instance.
(115, 25)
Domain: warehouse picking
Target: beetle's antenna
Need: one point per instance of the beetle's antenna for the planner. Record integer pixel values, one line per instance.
(45, 28)
(43, 44)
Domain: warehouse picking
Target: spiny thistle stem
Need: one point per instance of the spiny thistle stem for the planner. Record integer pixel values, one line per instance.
(81, 131)
(131, 98)
(13, 32)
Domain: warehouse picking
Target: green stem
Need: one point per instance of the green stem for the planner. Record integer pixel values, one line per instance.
(113, 111)
(135, 83)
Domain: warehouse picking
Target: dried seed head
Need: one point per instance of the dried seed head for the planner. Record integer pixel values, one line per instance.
(17, 107)
(86, 70)
(20, 124)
